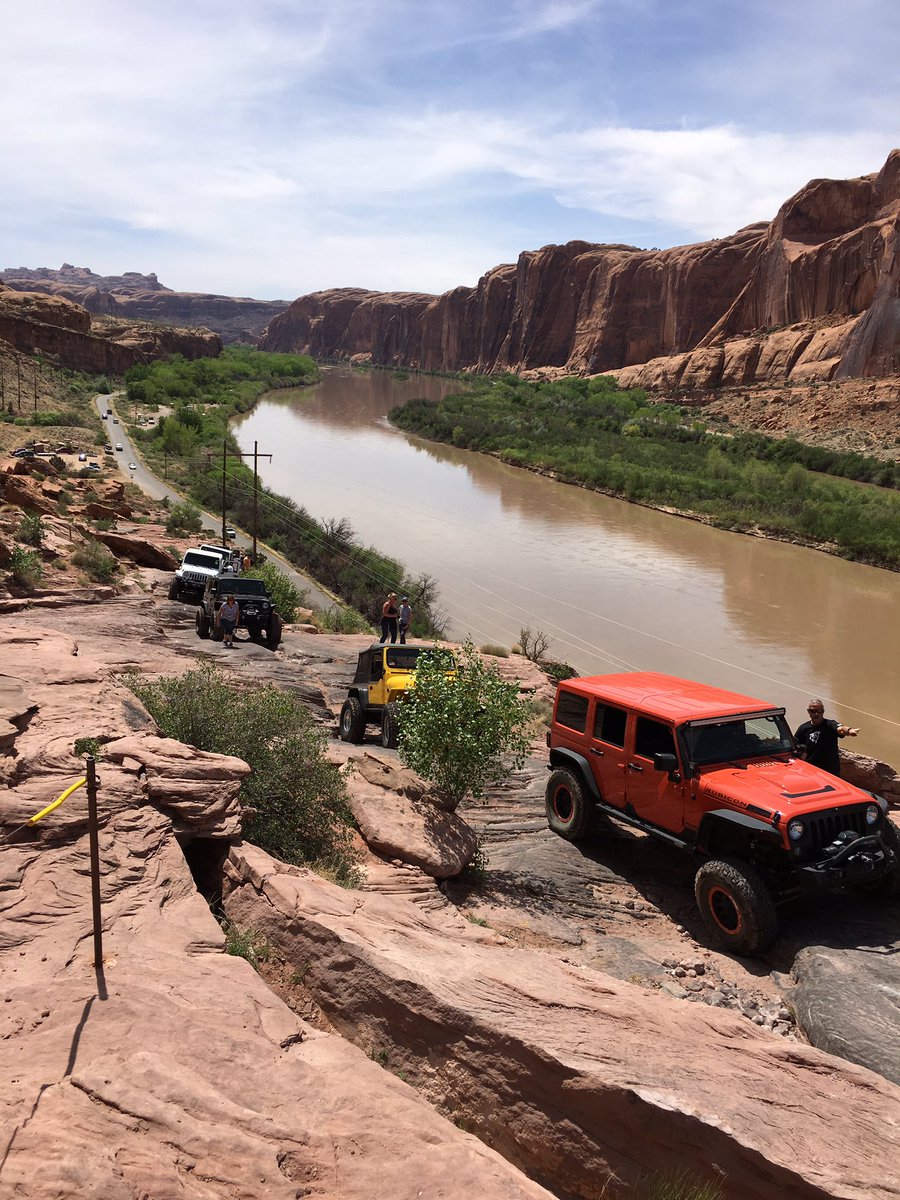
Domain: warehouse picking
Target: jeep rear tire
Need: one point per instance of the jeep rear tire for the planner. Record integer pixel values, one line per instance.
(389, 726)
(736, 906)
(352, 724)
(202, 623)
(568, 813)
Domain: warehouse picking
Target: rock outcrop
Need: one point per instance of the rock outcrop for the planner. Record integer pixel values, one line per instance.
(169, 1068)
(812, 295)
(578, 1078)
(51, 325)
(143, 298)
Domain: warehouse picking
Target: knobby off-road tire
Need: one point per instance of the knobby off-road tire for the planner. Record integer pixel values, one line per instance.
(352, 724)
(216, 633)
(389, 726)
(273, 633)
(736, 906)
(888, 887)
(569, 813)
(202, 624)
(173, 590)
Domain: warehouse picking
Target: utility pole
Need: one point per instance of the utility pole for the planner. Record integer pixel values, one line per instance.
(255, 455)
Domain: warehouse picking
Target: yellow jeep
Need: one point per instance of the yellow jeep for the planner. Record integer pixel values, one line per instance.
(384, 671)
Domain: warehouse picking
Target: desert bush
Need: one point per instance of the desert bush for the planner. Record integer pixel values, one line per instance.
(25, 566)
(534, 643)
(341, 620)
(495, 651)
(286, 598)
(297, 799)
(558, 671)
(31, 529)
(679, 1185)
(246, 943)
(88, 745)
(462, 730)
(96, 561)
(184, 518)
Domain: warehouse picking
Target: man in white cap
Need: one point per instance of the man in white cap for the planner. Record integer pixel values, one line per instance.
(405, 615)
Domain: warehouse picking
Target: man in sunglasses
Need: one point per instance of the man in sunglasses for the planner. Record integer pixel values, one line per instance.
(818, 739)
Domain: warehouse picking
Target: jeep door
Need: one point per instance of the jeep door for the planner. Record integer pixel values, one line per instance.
(607, 752)
(650, 793)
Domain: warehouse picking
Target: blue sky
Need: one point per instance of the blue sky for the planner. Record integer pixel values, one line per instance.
(275, 147)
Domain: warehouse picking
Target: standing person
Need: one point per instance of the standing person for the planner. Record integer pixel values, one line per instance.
(227, 618)
(818, 739)
(245, 563)
(405, 616)
(389, 618)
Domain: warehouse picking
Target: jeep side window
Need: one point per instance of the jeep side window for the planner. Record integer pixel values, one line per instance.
(571, 711)
(609, 725)
(377, 666)
(652, 737)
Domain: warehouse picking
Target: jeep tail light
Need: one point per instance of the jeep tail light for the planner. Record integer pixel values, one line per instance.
(795, 830)
(873, 812)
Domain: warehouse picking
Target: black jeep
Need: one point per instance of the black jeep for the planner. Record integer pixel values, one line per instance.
(258, 615)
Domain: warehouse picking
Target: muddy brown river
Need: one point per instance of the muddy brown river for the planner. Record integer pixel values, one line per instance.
(617, 587)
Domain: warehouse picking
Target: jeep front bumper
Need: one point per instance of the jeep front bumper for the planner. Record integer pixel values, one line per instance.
(865, 860)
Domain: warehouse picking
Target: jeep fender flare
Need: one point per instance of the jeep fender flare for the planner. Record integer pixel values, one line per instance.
(580, 767)
(362, 695)
(722, 831)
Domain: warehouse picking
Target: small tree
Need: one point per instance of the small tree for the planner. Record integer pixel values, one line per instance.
(184, 518)
(286, 598)
(462, 730)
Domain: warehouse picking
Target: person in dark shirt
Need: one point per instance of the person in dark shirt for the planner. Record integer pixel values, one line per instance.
(818, 739)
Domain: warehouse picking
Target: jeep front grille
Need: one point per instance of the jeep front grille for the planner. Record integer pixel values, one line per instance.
(823, 827)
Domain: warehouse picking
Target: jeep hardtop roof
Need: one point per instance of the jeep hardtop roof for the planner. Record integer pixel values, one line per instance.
(666, 696)
(234, 585)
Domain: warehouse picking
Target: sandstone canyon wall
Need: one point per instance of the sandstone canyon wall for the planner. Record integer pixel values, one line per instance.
(37, 323)
(144, 298)
(814, 294)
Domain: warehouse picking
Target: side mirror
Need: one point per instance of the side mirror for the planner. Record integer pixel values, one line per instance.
(667, 763)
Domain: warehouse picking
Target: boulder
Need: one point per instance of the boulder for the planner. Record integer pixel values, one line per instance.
(396, 819)
(138, 550)
(25, 494)
(845, 1001)
(871, 775)
(585, 1082)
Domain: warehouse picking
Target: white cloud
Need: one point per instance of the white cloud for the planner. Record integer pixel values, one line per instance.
(221, 142)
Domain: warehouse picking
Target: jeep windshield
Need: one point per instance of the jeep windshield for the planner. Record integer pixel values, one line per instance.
(194, 558)
(234, 586)
(754, 735)
(404, 658)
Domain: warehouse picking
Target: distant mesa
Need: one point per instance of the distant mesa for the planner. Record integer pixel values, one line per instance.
(812, 295)
(142, 297)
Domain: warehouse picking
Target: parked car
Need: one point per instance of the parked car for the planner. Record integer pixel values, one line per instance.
(197, 568)
(93, 466)
(716, 774)
(82, 457)
(23, 452)
(257, 612)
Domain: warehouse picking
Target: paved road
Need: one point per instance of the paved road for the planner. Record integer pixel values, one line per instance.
(152, 485)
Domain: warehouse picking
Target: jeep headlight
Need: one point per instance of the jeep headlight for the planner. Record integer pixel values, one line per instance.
(873, 812)
(795, 829)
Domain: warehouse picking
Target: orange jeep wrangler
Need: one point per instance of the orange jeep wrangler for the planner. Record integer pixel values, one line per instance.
(717, 774)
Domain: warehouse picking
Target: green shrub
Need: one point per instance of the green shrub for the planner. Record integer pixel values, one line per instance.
(246, 943)
(31, 529)
(96, 561)
(297, 799)
(286, 598)
(558, 671)
(462, 730)
(679, 1185)
(341, 620)
(184, 518)
(25, 566)
(88, 745)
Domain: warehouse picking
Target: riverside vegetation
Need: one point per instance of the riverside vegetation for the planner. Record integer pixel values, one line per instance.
(185, 445)
(588, 431)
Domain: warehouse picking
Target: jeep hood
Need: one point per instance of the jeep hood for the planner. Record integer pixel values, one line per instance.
(772, 785)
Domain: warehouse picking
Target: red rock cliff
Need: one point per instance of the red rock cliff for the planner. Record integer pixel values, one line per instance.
(827, 268)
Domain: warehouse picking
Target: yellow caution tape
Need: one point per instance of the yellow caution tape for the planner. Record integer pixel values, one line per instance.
(57, 802)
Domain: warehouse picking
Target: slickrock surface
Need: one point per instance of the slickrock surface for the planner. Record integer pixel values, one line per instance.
(811, 295)
(172, 1070)
(577, 1077)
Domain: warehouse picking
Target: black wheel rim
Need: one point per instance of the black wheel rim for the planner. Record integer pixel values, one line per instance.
(562, 804)
(724, 911)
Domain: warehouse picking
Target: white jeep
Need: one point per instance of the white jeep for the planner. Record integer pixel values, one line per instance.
(190, 579)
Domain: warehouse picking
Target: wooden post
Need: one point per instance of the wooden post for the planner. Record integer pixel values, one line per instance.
(95, 860)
